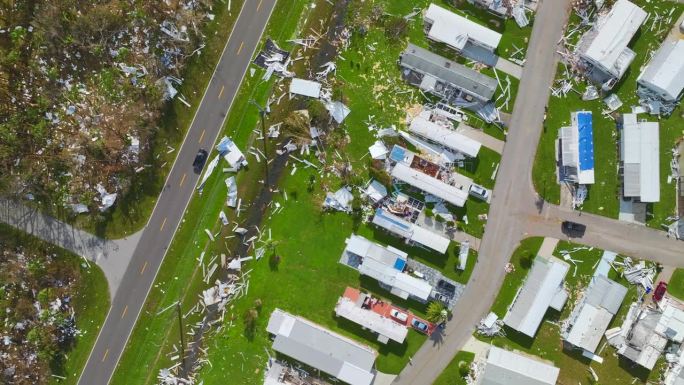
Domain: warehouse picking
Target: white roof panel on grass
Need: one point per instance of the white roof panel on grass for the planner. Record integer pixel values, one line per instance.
(455, 30)
(305, 87)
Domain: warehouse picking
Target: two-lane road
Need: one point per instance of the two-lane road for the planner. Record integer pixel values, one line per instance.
(180, 185)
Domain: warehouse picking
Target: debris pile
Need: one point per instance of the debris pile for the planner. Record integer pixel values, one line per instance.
(282, 372)
(87, 93)
(274, 60)
(39, 320)
(491, 326)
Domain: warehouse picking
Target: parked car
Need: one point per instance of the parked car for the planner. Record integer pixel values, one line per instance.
(200, 160)
(479, 192)
(399, 315)
(446, 286)
(573, 229)
(660, 291)
(419, 325)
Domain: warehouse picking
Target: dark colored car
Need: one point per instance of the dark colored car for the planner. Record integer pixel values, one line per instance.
(200, 160)
(446, 286)
(573, 229)
(419, 325)
(660, 291)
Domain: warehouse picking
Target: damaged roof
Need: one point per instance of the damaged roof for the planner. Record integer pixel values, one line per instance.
(321, 349)
(665, 72)
(456, 30)
(460, 76)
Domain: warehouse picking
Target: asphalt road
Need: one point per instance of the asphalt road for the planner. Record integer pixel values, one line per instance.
(180, 185)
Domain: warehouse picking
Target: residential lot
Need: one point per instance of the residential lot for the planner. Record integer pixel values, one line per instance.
(547, 343)
(603, 196)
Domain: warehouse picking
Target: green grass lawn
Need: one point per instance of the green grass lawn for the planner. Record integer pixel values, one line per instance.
(90, 301)
(676, 284)
(522, 257)
(547, 343)
(452, 374)
(603, 196)
(133, 209)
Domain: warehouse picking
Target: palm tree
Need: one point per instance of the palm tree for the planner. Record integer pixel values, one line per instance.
(436, 312)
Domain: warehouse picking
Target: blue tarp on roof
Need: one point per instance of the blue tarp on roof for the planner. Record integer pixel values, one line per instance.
(399, 264)
(586, 141)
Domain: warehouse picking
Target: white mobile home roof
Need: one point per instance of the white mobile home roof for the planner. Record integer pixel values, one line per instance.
(455, 30)
(402, 283)
(410, 231)
(508, 368)
(429, 184)
(369, 319)
(640, 150)
(613, 33)
(305, 87)
(322, 349)
(665, 72)
(542, 284)
(591, 319)
(363, 247)
(444, 136)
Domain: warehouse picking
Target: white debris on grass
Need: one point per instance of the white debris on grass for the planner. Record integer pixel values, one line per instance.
(378, 150)
(106, 199)
(232, 191)
(340, 200)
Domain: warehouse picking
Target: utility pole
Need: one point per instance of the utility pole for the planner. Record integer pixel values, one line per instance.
(262, 113)
(182, 341)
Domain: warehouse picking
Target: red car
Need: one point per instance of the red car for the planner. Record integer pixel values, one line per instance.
(660, 291)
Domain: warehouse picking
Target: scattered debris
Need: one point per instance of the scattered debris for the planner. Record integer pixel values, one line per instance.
(274, 60)
(340, 200)
(232, 192)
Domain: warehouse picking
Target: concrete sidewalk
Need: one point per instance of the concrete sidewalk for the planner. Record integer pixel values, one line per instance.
(111, 256)
(508, 67)
(488, 141)
(547, 247)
